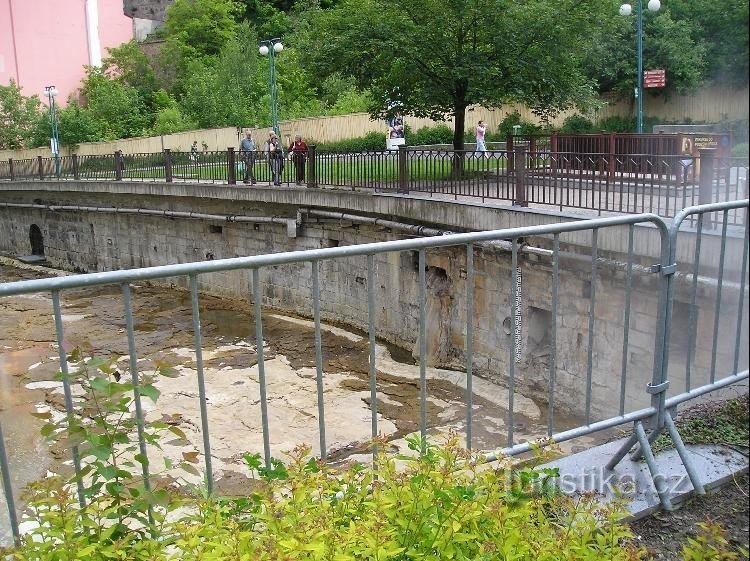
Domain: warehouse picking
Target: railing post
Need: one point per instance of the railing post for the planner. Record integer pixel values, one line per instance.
(76, 167)
(41, 167)
(553, 152)
(611, 167)
(705, 194)
(167, 165)
(232, 163)
(118, 165)
(403, 176)
(11, 170)
(312, 171)
(509, 148)
(519, 197)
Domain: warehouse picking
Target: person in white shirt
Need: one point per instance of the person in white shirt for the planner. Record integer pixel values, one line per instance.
(480, 133)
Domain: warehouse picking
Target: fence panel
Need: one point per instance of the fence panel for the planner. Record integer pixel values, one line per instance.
(560, 305)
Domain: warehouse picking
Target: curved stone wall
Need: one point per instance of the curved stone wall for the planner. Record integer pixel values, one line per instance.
(103, 239)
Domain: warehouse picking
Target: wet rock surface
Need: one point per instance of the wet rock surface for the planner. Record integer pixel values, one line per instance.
(164, 332)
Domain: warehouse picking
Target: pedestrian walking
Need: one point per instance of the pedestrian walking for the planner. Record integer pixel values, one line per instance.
(194, 152)
(480, 133)
(247, 155)
(275, 153)
(298, 149)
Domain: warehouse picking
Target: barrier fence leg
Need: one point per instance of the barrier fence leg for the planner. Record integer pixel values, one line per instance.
(656, 476)
(682, 451)
(637, 454)
(622, 452)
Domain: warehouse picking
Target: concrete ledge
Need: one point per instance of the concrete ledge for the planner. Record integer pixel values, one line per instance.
(585, 472)
(417, 208)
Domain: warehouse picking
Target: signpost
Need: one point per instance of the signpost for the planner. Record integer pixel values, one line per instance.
(654, 78)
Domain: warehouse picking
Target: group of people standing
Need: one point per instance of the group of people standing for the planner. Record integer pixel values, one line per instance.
(274, 151)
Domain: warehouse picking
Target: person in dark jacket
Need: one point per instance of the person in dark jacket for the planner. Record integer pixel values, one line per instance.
(298, 148)
(247, 155)
(275, 152)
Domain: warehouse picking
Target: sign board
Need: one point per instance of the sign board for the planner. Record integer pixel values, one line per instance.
(654, 78)
(394, 143)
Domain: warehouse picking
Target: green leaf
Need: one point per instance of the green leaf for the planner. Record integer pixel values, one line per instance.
(150, 392)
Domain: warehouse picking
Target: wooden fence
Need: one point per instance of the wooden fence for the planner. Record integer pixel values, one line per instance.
(709, 105)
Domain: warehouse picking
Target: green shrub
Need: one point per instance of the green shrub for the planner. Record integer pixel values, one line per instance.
(506, 127)
(371, 141)
(441, 502)
(577, 124)
(439, 134)
(740, 150)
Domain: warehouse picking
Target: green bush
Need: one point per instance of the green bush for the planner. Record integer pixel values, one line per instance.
(439, 134)
(371, 141)
(506, 127)
(577, 124)
(740, 150)
(440, 504)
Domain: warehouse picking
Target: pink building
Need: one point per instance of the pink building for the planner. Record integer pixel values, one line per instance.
(48, 42)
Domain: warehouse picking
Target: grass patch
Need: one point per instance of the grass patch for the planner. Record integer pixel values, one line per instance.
(724, 423)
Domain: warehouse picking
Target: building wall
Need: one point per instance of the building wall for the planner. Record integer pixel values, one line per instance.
(44, 42)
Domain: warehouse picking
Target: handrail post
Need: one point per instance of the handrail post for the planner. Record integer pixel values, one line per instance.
(118, 165)
(232, 163)
(611, 168)
(11, 170)
(312, 171)
(706, 182)
(509, 149)
(403, 176)
(519, 197)
(76, 167)
(41, 167)
(705, 194)
(167, 165)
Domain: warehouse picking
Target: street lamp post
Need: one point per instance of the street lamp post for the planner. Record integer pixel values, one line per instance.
(270, 48)
(55, 140)
(625, 10)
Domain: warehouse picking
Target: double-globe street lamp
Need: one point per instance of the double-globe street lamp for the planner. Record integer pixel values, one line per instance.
(270, 48)
(625, 10)
(55, 140)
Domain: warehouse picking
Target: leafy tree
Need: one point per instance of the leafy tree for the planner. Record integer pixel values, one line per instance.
(667, 44)
(19, 116)
(129, 65)
(227, 92)
(117, 108)
(435, 58)
(201, 27)
(78, 125)
(722, 27)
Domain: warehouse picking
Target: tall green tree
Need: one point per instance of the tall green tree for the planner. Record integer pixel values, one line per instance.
(118, 109)
(435, 58)
(668, 43)
(723, 28)
(19, 116)
(201, 27)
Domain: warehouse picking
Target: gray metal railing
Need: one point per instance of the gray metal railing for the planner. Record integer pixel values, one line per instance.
(655, 417)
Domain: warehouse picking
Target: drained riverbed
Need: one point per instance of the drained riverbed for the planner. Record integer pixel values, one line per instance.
(164, 332)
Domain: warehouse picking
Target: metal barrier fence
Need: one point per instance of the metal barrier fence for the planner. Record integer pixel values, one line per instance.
(596, 380)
